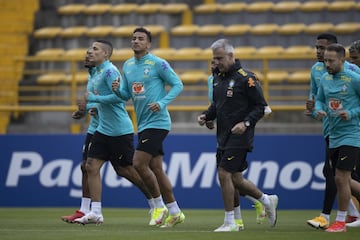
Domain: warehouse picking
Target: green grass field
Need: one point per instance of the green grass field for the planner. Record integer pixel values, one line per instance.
(131, 224)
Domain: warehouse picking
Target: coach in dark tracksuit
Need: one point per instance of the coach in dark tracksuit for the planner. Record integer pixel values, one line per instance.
(238, 104)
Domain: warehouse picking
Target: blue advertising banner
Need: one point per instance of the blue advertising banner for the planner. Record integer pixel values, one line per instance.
(44, 170)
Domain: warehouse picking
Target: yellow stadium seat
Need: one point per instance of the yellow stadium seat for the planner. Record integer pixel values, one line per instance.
(346, 28)
(301, 76)
(76, 53)
(264, 29)
(71, 9)
(207, 8)
(124, 31)
(257, 7)
(155, 29)
(123, 53)
(184, 30)
(188, 52)
(245, 50)
(97, 9)
(50, 78)
(80, 78)
(174, 8)
(357, 6)
(276, 76)
(285, 6)
(99, 31)
(165, 53)
(210, 30)
(50, 52)
(313, 6)
(237, 29)
(291, 29)
(316, 28)
(206, 53)
(47, 32)
(299, 50)
(341, 6)
(123, 8)
(73, 32)
(149, 8)
(232, 7)
(270, 50)
(193, 76)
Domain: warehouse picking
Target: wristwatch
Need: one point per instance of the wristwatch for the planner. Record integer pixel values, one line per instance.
(247, 124)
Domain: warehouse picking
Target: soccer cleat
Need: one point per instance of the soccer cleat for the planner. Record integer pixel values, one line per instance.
(260, 212)
(271, 210)
(354, 224)
(158, 216)
(172, 220)
(71, 218)
(318, 222)
(240, 224)
(350, 219)
(337, 227)
(90, 218)
(227, 228)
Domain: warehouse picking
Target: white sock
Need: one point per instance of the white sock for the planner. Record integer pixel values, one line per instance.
(96, 207)
(158, 202)
(173, 208)
(229, 218)
(85, 205)
(151, 203)
(352, 210)
(264, 199)
(237, 212)
(340, 216)
(326, 216)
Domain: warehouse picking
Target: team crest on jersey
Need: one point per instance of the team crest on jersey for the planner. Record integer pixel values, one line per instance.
(138, 87)
(335, 104)
(146, 71)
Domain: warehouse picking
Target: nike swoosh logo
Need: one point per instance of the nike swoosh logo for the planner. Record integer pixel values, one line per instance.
(343, 158)
(144, 140)
(120, 157)
(230, 158)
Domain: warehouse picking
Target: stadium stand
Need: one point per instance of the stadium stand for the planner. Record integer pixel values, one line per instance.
(273, 38)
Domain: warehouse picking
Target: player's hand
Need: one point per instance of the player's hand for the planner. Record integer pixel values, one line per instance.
(239, 128)
(93, 112)
(81, 105)
(201, 119)
(320, 114)
(210, 124)
(343, 115)
(155, 107)
(310, 105)
(78, 114)
(115, 84)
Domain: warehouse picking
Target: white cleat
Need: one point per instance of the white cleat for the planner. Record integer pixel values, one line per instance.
(227, 228)
(354, 224)
(271, 210)
(90, 218)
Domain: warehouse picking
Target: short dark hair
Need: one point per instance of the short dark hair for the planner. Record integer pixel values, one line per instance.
(144, 30)
(108, 44)
(331, 38)
(338, 48)
(355, 46)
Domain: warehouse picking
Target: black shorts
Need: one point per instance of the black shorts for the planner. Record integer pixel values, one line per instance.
(86, 146)
(119, 150)
(151, 141)
(232, 160)
(345, 157)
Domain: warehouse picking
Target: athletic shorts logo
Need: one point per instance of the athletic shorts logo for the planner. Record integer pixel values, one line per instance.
(343, 158)
(230, 158)
(144, 140)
